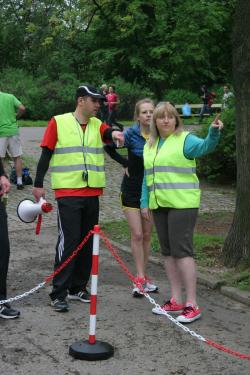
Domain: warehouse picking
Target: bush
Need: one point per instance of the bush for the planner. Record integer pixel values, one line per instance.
(20, 84)
(56, 97)
(42, 97)
(129, 94)
(220, 165)
(181, 96)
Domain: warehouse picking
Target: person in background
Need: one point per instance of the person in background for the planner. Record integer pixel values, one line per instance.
(6, 312)
(171, 192)
(113, 101)
(104, 113)
(73, 147)
(227, 96)
(211, 98)
(206, 108)
(10, 110)
(140, 227)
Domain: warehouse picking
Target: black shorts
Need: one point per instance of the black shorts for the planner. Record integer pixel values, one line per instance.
(131, 201)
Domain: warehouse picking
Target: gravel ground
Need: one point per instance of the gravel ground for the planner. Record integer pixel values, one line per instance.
(38, 342)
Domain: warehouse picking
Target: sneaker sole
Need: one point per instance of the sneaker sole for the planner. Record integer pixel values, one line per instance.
(57, 309)
(151, 290)
(189, 320)
(75, 298)
(161, 312)
(9, 317)
(137, 295)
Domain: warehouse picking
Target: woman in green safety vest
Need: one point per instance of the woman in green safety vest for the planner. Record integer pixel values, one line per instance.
(171, 192)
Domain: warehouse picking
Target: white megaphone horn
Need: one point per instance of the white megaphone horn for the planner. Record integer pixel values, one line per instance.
(27, 210)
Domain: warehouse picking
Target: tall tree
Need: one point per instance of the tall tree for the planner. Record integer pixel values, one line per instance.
(237, 244)
(158, 44)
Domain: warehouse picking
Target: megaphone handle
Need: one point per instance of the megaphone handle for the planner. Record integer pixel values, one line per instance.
(39, 223)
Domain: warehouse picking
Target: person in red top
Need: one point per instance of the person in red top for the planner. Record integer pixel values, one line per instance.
(78, 208)
(113, 101)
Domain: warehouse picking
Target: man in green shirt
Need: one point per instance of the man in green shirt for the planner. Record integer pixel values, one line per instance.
(10, 110)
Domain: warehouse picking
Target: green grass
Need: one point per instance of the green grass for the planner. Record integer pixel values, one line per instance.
(238, 279)
(119, 231)
(208, 250)
(32, 123)
(43, 123)
(126, 123)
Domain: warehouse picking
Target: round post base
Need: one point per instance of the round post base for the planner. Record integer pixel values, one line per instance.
(91, 352)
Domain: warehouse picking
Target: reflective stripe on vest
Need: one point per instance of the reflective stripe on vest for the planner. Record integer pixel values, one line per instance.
(77, 167)
(170, 169)
(68, 150)
(71, 158)
(170, 176)
(174, 186)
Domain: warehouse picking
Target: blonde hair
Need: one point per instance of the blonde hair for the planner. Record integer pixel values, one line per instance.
(139, 104)
(162, 109)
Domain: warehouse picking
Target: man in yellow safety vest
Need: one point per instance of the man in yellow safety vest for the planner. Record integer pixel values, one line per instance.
(73, 148)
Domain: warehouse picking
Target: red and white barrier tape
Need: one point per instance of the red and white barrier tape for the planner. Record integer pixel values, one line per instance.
(151, 300)
(113, 251)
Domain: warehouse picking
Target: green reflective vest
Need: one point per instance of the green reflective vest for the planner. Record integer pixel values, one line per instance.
(77, 152)
(170, 176)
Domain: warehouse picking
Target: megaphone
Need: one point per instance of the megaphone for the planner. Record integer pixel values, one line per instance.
(27, 210)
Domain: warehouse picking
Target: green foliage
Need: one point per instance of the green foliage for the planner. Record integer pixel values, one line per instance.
(156, 44)
(129, 94)
(181, 96)
(42, 97)
(220, 165)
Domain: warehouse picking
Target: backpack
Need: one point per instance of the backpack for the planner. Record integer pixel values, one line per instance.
(27, 180)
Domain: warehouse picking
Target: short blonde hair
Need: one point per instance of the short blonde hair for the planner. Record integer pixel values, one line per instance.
(162, 109)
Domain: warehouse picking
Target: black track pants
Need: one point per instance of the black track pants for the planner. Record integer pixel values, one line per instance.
(76, 217)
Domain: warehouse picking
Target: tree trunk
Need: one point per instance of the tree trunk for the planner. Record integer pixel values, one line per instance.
(237, 244)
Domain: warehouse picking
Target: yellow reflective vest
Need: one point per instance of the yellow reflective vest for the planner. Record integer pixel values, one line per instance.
(170, 176)
(77, 152)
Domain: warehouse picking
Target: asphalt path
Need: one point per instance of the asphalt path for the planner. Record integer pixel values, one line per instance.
(38, 343)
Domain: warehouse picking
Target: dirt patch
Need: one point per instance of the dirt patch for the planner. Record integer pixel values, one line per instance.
(216, 223)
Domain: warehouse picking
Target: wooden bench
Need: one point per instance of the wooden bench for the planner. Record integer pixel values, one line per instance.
(197, 107)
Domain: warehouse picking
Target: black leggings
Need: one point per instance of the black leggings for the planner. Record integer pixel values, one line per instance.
(4, 251)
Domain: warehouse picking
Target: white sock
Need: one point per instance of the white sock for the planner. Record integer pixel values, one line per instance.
(19, 181)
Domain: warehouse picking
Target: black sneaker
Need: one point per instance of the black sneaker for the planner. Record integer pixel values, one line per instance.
(20, 186)
(82, 296)
(60, 305)
(6, 312)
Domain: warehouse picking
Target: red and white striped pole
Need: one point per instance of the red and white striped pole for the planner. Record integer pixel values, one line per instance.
(94, 283)
(92, 349)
